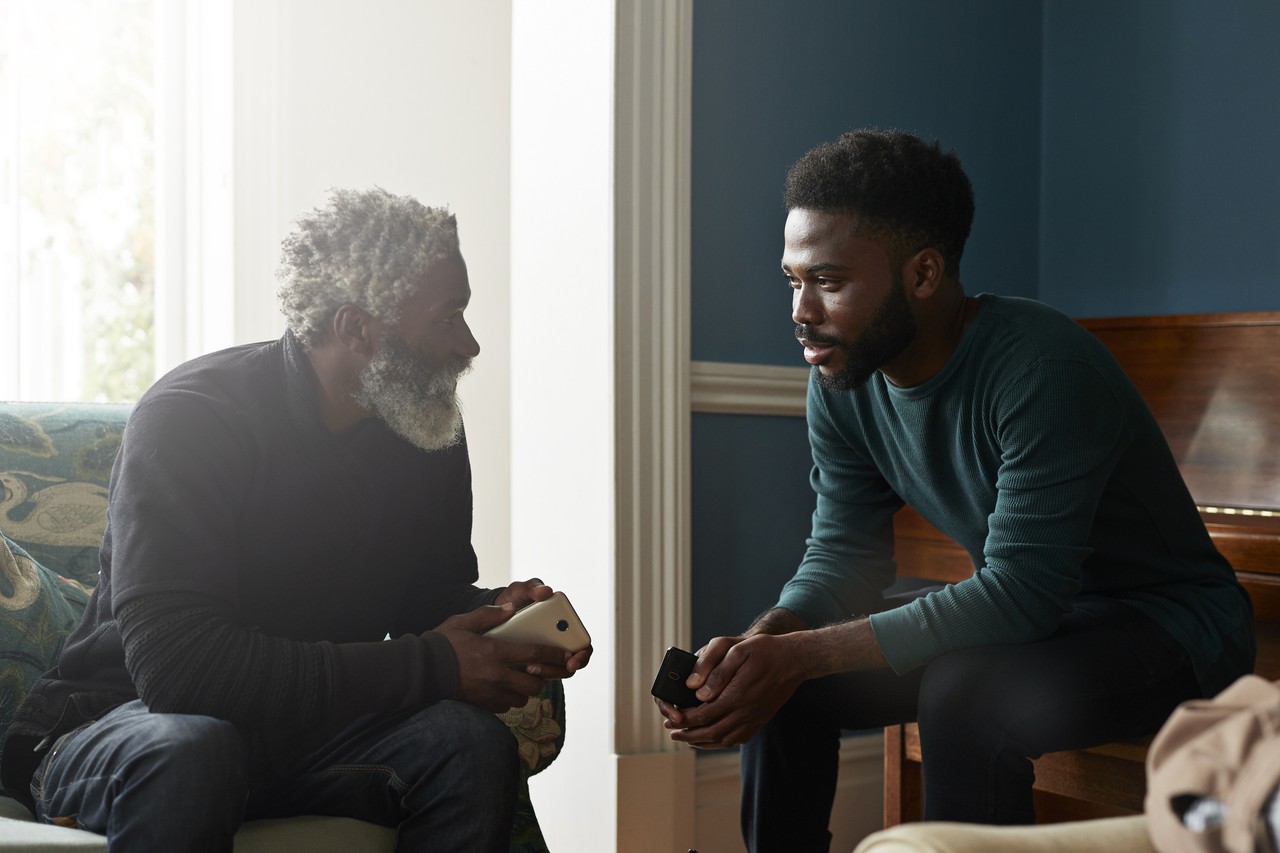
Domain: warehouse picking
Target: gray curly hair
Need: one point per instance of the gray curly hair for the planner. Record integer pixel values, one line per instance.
(367, 248)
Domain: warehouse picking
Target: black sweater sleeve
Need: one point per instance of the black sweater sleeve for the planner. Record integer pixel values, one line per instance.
(186, 654)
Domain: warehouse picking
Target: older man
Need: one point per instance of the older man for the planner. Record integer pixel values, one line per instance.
(276, 510)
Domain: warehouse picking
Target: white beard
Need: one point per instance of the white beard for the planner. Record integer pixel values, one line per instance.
(414, 395)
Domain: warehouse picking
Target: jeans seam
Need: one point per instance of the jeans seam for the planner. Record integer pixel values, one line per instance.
(383, 769)
(37, 786)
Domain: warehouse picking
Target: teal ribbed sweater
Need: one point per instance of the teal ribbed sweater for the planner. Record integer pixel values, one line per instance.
(1032, 449)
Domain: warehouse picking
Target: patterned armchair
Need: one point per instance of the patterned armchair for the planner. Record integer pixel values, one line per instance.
(55, 461)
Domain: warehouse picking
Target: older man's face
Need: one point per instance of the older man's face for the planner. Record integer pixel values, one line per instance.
(411, 382)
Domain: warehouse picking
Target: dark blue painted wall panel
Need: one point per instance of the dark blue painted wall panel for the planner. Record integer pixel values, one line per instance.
(773, 79)
(752, 505)
(1161, 186)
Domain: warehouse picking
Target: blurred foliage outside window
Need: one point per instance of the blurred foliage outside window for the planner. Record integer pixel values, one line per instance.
(77, 199)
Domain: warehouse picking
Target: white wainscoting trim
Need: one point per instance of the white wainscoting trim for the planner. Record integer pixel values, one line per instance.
(651, 294)
(748, 389)
(651, 144)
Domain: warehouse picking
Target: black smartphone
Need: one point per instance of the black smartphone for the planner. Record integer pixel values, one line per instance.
(669, 684)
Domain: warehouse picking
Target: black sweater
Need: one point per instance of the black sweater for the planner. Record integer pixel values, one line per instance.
(253, 563)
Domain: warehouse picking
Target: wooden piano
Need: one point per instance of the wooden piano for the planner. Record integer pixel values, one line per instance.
(1213, 383)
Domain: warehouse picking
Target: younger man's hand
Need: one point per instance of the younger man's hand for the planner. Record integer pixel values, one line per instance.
(751, 679)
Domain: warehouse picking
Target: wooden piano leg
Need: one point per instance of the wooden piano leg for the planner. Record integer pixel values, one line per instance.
(902, 796)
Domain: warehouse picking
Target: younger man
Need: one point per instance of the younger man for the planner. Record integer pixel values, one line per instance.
(1098, 601)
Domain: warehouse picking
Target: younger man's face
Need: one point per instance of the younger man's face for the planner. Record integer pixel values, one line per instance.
(848, 301)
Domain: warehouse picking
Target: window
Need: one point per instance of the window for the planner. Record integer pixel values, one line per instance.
(100, 109)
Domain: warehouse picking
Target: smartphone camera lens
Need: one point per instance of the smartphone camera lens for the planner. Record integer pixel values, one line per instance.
(562, 625)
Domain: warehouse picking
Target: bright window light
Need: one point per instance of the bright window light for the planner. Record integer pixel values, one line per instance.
(77, 199)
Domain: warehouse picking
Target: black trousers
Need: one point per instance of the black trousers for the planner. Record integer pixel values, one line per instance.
(1108, 673)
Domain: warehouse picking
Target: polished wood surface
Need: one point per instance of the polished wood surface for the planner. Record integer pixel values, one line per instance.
(1213, 383)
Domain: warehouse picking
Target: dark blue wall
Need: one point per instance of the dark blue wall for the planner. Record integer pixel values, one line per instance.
(1123, 156)
(1161, 177)
(751, 505)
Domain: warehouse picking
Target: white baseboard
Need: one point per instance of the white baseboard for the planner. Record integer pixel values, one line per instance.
(858, 809)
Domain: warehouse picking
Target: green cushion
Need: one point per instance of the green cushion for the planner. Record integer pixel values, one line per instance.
(55, 461)
(38, 609)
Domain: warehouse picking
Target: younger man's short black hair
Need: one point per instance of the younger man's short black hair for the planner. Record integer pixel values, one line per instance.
(904, 190)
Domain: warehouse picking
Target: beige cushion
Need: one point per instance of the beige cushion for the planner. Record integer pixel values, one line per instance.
(29, 836)
(311, 834)
(1115, 835)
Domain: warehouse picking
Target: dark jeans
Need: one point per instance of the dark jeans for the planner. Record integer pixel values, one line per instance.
(447, 776)
(1108, 673)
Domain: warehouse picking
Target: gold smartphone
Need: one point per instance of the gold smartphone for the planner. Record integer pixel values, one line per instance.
(552, 622)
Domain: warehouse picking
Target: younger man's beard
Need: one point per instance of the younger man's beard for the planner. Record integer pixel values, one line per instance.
(416, 396)
(890, 331)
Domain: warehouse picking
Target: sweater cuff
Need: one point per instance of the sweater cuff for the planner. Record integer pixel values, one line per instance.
(815, 610)
(902, 637)
(444, 663)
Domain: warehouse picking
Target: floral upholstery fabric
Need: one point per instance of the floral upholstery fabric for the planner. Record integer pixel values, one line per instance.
(539, 731)
(37, 611)
(55, 463)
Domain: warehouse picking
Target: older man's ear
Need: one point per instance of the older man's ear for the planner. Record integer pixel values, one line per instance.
(355, 329)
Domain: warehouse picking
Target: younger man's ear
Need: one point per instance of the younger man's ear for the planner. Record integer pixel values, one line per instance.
(923, 272)
(354, 329)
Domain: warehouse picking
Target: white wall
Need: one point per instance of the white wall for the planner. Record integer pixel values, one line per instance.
(563, 378)
(414, 97)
